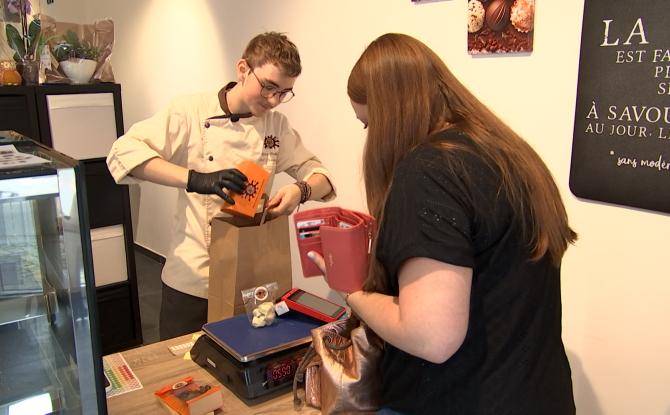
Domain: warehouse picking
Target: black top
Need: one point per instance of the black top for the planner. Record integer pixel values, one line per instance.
(446, 206)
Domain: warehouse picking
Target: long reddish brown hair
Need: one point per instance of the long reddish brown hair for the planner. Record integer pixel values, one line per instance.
(411, 94)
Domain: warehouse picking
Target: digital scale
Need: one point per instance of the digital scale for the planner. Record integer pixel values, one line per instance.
(256, 364)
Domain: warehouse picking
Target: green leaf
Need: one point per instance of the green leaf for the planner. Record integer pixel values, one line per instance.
(63, 51)
(14, 40)
(42, 41)
(72, 38)
(34, 30)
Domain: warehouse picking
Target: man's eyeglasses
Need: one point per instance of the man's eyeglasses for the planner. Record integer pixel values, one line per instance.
(269, 90)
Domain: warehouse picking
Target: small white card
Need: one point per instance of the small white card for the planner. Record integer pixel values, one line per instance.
(281, 308)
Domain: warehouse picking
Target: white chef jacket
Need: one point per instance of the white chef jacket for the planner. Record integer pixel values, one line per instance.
(186, 134)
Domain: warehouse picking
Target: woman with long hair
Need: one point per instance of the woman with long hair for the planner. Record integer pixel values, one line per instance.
(464, 282)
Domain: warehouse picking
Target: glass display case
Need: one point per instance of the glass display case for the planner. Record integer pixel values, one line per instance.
(50, 360)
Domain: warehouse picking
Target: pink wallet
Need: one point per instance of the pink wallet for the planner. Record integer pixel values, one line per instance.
(343, 237)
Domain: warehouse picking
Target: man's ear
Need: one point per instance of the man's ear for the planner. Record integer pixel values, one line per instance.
(241, 69)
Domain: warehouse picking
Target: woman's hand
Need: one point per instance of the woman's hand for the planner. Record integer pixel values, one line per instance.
(318, 261)
(284, 201)
(321, 264)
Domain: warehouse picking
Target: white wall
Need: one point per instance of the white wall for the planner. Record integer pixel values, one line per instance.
(71, 11)
(615, 280)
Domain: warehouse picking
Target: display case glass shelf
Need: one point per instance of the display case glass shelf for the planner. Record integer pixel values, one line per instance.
(49, 339)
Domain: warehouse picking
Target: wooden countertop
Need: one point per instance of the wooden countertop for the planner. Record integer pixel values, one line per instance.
(155, 366)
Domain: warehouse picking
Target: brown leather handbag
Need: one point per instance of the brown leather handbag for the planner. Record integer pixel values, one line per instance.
(341, 369)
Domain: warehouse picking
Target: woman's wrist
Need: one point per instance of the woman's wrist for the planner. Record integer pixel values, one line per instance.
(347, 295)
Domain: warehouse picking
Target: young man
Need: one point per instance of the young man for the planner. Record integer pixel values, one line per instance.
(195, 144)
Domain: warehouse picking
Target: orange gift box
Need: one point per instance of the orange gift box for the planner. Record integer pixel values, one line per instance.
(187, 397)
(247, 201)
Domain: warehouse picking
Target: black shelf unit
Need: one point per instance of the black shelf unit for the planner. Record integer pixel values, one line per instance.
(19, 111)
(25, 109)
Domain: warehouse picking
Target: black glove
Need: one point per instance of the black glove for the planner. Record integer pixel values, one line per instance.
(213, 183)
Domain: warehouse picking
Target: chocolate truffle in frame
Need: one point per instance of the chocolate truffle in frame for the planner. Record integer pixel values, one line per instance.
(522, 15)
(497, 15)
(475, 16)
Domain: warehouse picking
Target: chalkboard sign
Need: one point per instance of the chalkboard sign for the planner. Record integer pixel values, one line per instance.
(621, 141)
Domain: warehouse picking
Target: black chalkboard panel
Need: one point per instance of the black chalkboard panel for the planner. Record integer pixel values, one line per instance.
(621, 141)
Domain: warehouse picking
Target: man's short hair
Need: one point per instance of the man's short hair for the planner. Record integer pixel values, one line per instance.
(275, 48)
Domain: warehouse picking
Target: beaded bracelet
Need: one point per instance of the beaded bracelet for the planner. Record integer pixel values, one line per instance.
(305, 191)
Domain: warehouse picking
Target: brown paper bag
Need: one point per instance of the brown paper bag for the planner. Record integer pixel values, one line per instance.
(245, 255)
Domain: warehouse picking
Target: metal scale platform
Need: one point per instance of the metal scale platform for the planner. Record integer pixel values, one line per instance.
(256, 364)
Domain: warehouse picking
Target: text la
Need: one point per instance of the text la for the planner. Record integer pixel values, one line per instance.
(637, 30)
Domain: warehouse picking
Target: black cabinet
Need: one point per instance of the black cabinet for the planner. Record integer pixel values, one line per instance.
(18, 110)
(82, 121)
(107, 201)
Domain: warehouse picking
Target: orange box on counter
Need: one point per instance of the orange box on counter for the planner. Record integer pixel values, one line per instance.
(187, 397)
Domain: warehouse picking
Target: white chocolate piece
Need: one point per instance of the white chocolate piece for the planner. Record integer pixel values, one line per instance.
(266, 308)
(263, 315)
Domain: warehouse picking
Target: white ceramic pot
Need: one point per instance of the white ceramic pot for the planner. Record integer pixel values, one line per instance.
(78, 70)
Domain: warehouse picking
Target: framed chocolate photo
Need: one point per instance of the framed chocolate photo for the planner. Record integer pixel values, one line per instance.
(500, 26)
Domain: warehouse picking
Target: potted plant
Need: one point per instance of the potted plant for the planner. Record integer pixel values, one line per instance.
(27, 44)
(77, 58)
